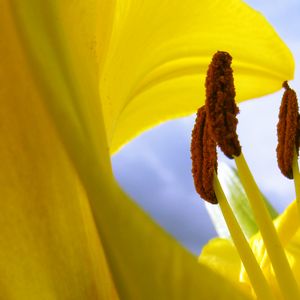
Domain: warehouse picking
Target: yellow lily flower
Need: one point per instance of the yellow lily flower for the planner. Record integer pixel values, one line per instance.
(77, 80)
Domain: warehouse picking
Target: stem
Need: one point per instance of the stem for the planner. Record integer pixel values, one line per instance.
(284, 275)
(256, 277)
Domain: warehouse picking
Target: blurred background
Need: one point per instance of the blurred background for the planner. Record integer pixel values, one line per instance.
(155, 168)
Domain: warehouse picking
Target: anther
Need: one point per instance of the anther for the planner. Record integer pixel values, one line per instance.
(220, 104)
(204, 158)
(288, 131)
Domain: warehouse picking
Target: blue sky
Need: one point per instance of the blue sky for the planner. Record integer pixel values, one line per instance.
(154, 169)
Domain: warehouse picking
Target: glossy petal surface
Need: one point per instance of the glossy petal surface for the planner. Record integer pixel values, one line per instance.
(158, 57)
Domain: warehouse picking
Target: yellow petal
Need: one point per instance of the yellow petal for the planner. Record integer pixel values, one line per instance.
(49, 247)
(159, 52)
(221, 255)
(55, 165)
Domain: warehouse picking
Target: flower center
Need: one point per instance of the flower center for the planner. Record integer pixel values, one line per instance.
(216, 124)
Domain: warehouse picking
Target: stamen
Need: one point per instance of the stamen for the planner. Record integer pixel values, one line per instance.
(221, 117)
(288, 131)
(220, 105)
(221, 111)
(204, 158)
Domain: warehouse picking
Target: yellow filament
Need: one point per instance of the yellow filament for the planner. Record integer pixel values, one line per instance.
(296, 176)
(284, 275)
(256, 277)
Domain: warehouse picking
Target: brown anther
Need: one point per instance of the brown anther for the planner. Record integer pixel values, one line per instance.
(220, 104)
(288, 131)
(204, 158)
